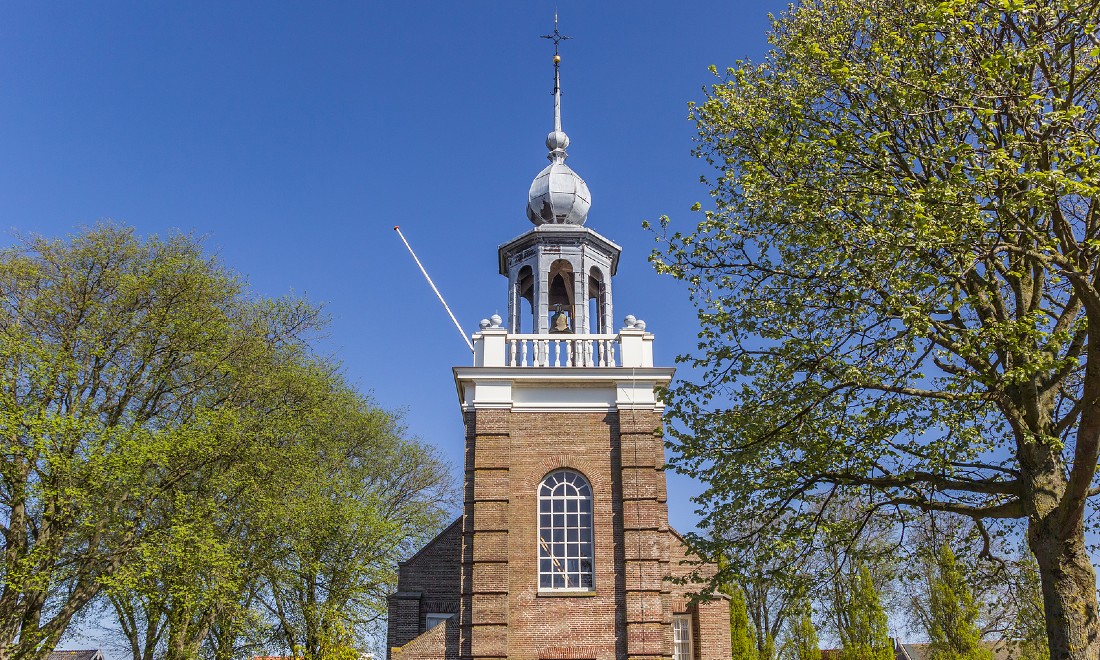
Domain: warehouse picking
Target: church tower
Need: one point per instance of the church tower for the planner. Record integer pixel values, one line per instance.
(563, 550)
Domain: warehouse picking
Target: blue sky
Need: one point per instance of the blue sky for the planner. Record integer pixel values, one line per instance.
(293, 136)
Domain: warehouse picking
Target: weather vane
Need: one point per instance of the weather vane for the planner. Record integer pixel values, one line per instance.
(557, 38)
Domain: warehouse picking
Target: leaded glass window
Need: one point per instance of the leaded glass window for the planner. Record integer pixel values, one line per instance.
(565, 532)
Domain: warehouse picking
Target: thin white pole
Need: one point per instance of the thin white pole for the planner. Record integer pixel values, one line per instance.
(437, 293)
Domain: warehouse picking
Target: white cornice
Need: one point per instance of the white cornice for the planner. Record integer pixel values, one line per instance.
(564, 389)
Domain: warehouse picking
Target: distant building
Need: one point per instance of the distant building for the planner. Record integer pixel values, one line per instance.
(1001, 651)
(563, 550)
(76, 655)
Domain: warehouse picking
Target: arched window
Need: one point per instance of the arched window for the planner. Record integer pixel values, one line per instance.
(565, 532)
(597, 295)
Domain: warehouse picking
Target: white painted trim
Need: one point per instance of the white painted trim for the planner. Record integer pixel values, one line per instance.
(574, 389)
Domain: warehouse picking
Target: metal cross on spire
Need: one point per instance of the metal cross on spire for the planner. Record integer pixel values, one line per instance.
(557, 37)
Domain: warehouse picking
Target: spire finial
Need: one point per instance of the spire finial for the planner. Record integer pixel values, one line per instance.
(557, 141)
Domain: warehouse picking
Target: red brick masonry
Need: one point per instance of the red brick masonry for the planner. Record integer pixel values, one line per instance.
(484, 567)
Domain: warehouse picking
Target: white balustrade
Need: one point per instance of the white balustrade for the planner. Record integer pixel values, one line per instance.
(494, 346)
(561, 350)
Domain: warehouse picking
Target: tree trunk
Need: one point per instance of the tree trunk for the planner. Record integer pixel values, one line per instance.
(1069, 591)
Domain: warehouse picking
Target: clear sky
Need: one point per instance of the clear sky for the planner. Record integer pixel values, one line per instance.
(294, 135)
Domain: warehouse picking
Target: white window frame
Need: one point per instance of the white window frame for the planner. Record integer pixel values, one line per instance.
(433, 619)
(574, 548)
(683, 647)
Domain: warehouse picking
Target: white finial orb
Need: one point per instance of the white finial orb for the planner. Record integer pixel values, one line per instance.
(640, 324)
(484, 323)
(629, 321)
(495, 320)
(557, 140)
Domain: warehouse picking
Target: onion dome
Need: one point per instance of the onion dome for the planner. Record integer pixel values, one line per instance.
(558, 195)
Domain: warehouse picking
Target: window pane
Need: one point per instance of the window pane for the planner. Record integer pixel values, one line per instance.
(681, 638)
(566, 534)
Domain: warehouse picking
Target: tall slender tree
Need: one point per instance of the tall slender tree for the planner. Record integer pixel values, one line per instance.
(866, 635)
(952, 631)
(802, 642)
(742, 635)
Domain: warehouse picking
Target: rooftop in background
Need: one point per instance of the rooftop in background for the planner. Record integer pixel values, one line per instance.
(1001, 651)
(76, 655)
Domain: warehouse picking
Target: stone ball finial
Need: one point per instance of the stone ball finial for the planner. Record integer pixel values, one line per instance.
(629, 321)
(495, 321)
(640, 324)
(557, 141)
(484, 323)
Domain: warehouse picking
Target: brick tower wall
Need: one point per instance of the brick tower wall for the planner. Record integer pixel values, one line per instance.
(507, 456)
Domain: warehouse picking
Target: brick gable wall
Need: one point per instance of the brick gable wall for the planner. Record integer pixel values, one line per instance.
(439, 643)
(428, 582)
(710, 619)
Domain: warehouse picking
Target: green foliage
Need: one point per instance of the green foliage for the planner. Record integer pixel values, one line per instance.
(124, 362)
(866, 635)
(360, 498)
(771, 586)
(896, 278)
(765, 647)
(1031, 626)
(742, 635)
(952, 631)
(803, 642)
(158, 425)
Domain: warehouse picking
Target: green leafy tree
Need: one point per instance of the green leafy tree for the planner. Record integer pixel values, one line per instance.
(898, 278)
(167, 597)
(364, 497)
(865, 635)
(742, 635)
(771, 586)
(122, 364)
(802, 641)
(201, 564)
(952, 631)
(1030, 628)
